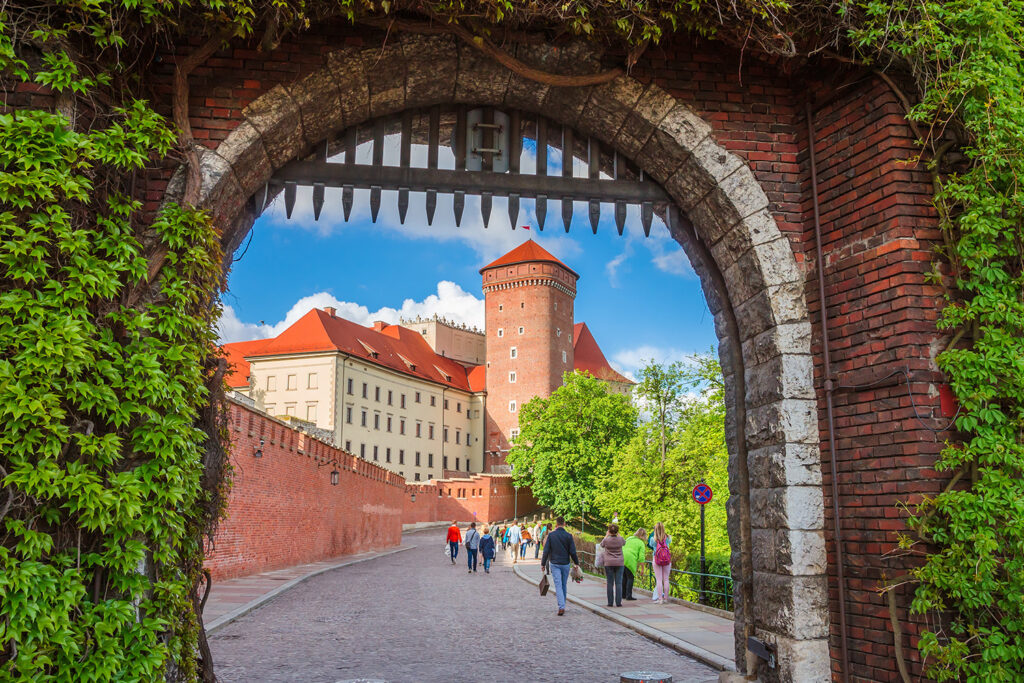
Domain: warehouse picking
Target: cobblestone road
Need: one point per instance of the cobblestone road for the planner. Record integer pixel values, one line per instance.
(414, 617)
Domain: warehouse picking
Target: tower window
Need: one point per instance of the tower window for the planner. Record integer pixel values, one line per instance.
(501, 332)
(511, 406)
(513, 352)
(512, 378)
(501, 307)
(558, 331)
(521, 329)
(522, 304)
(565, 357)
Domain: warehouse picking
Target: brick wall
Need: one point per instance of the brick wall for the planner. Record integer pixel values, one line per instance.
(480, 498)
(282, 508)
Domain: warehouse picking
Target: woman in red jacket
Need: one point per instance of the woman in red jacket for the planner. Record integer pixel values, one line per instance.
(454, 539)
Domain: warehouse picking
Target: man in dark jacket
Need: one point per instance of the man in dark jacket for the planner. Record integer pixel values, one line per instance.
(559, 548)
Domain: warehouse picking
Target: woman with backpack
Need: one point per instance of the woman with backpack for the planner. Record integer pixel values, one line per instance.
(661, 563)
(487, 549)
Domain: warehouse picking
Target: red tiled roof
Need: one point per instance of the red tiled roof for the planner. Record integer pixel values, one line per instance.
(587, 356)
(477, 378)
(237, 375)
(393, 346)
(528, 251)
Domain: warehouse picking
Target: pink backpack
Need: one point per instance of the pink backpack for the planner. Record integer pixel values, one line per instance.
(662, 556)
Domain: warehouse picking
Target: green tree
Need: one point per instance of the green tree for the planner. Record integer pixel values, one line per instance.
(659, 391)
(568, 440)
(643, 488)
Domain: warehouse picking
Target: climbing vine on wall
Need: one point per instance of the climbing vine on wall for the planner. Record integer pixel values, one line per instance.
(109, 446)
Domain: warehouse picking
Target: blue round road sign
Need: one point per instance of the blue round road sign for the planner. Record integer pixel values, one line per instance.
(702, 493)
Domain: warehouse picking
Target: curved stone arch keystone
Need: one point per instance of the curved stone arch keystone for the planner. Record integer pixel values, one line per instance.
(735, 242)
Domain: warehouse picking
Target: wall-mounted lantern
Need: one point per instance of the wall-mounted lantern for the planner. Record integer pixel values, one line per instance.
(334, 477)
(257, 451)
(413, 498)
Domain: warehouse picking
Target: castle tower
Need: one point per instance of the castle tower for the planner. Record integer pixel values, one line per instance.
(528, 301)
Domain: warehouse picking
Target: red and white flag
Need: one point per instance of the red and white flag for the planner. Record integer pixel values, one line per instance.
(525, 227)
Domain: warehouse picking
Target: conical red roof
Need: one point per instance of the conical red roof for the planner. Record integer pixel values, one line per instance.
(527, 252)
(587, 356)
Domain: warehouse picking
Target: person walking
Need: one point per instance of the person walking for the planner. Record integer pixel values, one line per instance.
(662, 563)
(454, 539)
(472, 544)
(527, 540)
(541, 533)
(487, 548)
(515, 538)
(504, 537)
(634, 552)
(614, 564)
(559, 549)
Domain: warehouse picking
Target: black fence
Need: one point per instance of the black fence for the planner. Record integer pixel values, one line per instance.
(713, 590)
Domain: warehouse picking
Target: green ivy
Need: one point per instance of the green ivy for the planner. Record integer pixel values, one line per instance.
(99, 398)
(970, 70)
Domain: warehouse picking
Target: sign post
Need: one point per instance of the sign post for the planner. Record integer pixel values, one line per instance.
(702, 494)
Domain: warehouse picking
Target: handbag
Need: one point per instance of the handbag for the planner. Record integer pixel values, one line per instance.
(544, 584)
(576, 574)
(598, 555)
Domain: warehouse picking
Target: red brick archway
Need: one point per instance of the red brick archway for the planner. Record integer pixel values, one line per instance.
(739, 172)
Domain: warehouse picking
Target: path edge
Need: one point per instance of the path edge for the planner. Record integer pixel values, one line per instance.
(681, 646)
(231, 616)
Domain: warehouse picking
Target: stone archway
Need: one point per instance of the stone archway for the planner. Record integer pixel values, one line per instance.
(747, 268)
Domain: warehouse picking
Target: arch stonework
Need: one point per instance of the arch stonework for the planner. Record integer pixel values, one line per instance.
(776, 521)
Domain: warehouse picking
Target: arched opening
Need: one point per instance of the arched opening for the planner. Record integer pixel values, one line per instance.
(747, 268)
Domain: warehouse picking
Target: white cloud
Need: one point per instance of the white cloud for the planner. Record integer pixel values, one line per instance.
(450, 301)
(629, 361)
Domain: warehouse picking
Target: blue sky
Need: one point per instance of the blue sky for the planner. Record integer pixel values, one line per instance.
(638, 295)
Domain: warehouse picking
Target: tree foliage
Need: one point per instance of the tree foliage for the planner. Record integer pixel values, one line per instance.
(643, 490)
(566, 441)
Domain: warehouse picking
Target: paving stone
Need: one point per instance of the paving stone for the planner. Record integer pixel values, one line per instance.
(415, 617)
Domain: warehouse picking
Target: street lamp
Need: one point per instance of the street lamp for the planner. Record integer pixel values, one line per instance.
(334, 477)
(583, 516)
(515, 514)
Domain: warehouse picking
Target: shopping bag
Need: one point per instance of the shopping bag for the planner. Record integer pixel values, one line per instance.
(544, 585)
(576, 574)
(598, 556)
(448, 550)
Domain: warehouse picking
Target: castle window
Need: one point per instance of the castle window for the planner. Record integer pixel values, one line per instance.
(444, 462)
(348, 446)
(521, 329)
(271, 383)
(363, 423)
(311, 412)
(433, 399)
(501, 332)
(513, 352)
(389, 423)
(513, 433)
(348, 415)
(511, 406)
(376, 394)
(558, 331)
(511, 378)
(375, 458)
(364, 389)
(387, 455)
(376, 421)
(501, 307)
(362, 451)
(311, 381)
(351, 390)
(401, 456)
(522, 304)
(565, 357)
(293, 382)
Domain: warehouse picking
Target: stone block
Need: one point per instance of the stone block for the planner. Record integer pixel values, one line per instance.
(319, 105)
(244, 150)
(791, 606)
(787, 507)
(755, 315)
(789, 420)
(652, 106)
(785, 376)
(776, 262)
(432, 64)
(220, 193)
(276, 116)
(798, 661)
(787, 302)
(480, 80)
(661, 156)
(788, 464)
(609, 105)
(800, 552)
(385, 77)
(785, 338)
(763, 549)
(349, 68)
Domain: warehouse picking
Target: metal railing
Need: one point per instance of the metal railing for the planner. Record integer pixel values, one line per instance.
(713, 590)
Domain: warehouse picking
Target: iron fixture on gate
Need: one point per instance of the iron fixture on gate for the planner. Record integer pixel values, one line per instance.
(487, 144)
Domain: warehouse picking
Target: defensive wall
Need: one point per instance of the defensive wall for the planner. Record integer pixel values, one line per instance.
(283, 508)
(482, 498)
